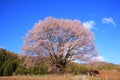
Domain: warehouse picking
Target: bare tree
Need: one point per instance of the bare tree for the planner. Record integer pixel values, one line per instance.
(60, 40)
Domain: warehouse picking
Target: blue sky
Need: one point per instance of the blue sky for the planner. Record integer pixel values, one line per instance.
(101, 16)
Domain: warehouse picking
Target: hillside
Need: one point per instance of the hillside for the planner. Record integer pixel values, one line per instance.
(8, 62)
(14, 64)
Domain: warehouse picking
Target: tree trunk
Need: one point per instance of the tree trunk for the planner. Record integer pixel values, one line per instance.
(61, 65)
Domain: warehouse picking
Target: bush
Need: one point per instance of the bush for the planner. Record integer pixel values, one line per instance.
(77, 68)
(8, 68)
(21, 71)
(1, 72)
(8, 62)
(39, 69)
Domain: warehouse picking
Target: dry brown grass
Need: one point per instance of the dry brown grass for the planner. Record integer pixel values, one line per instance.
(107, 75)
(46, 77)
(104, 75)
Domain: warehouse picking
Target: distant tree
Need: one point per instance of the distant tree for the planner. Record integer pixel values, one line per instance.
(21, 70)
(60, 41)
(9, 67)
(8, 62)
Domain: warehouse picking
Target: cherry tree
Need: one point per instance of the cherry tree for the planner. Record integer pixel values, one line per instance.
(60, 40)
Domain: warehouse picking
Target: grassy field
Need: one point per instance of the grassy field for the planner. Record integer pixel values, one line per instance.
(104, 75)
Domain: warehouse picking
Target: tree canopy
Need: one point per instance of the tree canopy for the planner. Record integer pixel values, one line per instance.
(60, 40)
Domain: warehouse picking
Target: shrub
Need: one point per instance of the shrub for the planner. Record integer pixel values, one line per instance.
(8, 68)
(77, 68)
(39, 69)
(21, 71)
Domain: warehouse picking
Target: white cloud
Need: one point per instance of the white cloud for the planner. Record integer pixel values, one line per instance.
(97, 59)
(108, 20)
(89, 24)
